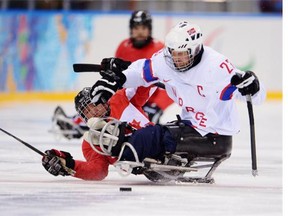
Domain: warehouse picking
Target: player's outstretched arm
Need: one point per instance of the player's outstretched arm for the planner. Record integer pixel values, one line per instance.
(58, 162)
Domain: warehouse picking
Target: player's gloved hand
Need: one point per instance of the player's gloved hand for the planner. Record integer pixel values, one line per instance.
(116, 65)
(104, 89)
(153, 112)
(112, 79)
(58, 162)
(247, 83)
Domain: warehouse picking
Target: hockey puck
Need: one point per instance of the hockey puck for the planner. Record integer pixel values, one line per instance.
(125, 189)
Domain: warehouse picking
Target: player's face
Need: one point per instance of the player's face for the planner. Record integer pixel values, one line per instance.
(140, 32)
(180, 58)
(91, 110)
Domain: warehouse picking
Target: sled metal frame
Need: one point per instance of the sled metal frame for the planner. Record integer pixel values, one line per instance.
(215, 162)
(155, 166)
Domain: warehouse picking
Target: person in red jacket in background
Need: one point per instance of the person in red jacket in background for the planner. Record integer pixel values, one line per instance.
(140, 45)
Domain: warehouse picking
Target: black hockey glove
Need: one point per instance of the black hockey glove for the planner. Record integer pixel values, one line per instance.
(112, 79)
(58, 162)
(247, 84)
(153, 112)
(104, 89)
(116, 65)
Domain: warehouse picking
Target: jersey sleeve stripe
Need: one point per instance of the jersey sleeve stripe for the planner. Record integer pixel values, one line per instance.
(148, 72)
(227, 92)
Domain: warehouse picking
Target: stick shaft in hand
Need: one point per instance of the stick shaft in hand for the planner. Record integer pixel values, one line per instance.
(23, 142)
(252, 136)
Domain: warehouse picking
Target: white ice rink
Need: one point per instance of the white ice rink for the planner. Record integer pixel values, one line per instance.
(27, 189)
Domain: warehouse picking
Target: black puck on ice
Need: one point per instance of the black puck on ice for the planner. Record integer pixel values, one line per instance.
(125, 189)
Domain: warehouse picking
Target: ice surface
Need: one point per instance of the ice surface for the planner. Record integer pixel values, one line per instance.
(27, 189)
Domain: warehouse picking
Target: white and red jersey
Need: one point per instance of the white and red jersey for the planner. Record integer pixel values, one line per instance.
(126, 105)
(204, 92)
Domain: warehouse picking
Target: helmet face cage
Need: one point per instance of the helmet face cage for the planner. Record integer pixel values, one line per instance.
(86, 108)
(182, 44)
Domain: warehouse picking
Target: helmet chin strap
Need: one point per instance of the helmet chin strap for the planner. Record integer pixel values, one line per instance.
(198, 57)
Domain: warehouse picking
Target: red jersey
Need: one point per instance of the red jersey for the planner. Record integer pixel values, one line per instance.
(127, 52)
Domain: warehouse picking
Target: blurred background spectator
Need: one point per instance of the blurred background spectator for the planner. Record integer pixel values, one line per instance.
(243, 6)
(270, 6)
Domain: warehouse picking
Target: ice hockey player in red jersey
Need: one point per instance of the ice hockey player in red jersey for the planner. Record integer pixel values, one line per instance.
(96, 165)
(140, 45)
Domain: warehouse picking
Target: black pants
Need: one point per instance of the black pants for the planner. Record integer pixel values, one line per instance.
(190, 141)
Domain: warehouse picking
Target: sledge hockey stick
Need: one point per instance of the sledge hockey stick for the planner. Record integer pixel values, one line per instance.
(82, 67)
(252, 135)
(23, 142)
(251, 121)
(69, 170)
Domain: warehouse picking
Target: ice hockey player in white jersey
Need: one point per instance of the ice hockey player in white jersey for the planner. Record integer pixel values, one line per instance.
(203, 82)
(200, 80)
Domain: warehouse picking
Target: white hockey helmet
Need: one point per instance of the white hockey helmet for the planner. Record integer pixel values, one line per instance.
(182, 44)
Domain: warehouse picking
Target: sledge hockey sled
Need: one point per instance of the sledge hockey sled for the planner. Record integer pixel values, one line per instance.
(63, 126)
(173, 167)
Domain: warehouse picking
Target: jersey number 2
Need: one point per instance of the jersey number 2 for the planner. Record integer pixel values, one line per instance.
(227, 65)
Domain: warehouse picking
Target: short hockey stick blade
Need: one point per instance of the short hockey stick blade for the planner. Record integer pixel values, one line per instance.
(81, 67)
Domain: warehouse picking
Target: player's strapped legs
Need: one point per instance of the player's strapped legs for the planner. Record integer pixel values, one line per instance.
(190, 141)
(151, 142)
